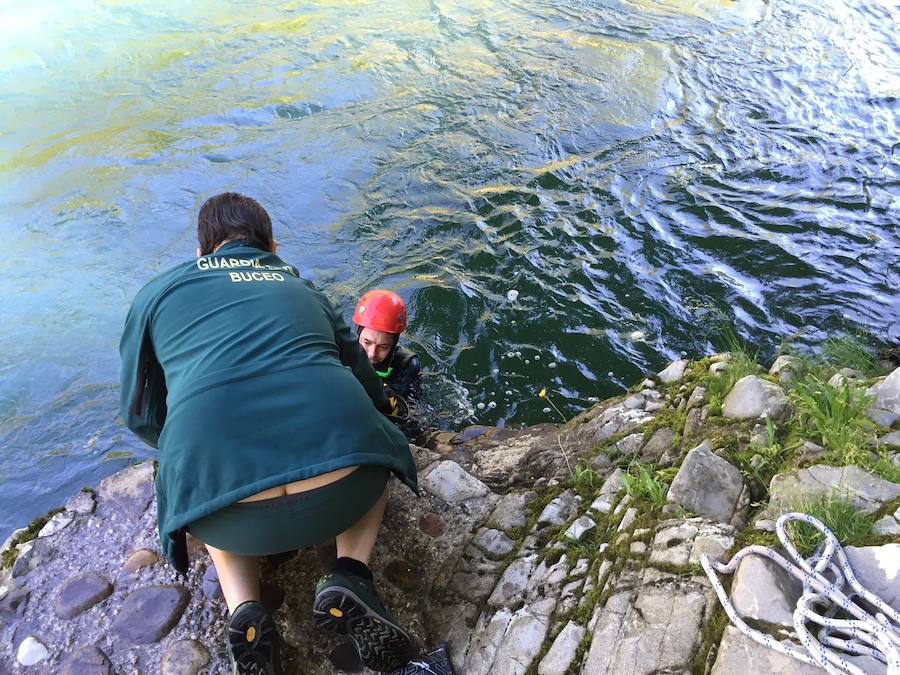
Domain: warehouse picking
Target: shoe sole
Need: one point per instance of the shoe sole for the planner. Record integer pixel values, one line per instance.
(382, 645)
(245, 656)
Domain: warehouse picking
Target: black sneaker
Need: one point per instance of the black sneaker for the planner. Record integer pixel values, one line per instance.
(435, 662)
(348, 605)
(253, 641)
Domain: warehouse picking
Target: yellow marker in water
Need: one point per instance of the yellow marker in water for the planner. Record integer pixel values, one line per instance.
(335, 612)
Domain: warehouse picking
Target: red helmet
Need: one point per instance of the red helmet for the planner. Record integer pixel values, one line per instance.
(381, 310)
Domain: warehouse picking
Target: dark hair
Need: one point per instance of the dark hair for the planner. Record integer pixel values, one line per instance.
(233, 216)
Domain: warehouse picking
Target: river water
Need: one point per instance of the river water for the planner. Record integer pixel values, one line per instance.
(634, 170)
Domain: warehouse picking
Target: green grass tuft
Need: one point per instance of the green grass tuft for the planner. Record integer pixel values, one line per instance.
(849, 525)
(835, 416)
(852, 351)
(643, 484)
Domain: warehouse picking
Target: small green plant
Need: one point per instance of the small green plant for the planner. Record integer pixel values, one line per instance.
(741, 362)
(836, 415)
(848, 524)
(851, 351)
(758, 463)
(642, 484)
(586, 479)
(883, 465)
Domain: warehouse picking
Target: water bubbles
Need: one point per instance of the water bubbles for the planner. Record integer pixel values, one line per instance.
(636, 335)
(495, 371)
(491, 405)
(609, 374)
(552, 364)
(527, 361)
(546, 410)
(593, 399)
(508, 392)
(512, 295)
(537, 357)
(480, 406)
(509, 355)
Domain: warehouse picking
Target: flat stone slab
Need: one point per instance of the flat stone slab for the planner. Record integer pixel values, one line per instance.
(657, 631)
(740, 655)
(659, 442)
(864, 490)
(139, 559)
(578, 528)
(512, 584)
(87, 660)
(878, 569)
(56, 524)
(149, 613)
(493, 542)
(510, 512)
(127, 493)
(752, 397)
(80, 593)
(82, 503)
(763, 590)
(707, 485)
(523, 639)
(450, 482)
(557, 512)
(562, 653)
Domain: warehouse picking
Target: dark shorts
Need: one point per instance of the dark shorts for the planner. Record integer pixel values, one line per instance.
(294, 521)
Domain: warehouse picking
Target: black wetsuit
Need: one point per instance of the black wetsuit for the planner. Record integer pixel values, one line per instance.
(404, 373)
(403, 377)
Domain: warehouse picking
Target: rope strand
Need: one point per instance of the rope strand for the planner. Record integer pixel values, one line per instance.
(877, 636)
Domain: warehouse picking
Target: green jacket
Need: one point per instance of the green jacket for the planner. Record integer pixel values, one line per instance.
(245, 377)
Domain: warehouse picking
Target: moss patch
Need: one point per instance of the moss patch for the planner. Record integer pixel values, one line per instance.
(31, 532)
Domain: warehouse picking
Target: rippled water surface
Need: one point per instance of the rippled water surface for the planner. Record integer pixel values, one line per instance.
(632, 169)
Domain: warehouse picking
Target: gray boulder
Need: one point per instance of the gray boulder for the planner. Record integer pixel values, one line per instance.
(784, 366)
(709, 486)
(865, 491)
(450, 482)
(885, 409)
(752, 397)
(763, 590)
(673, 372)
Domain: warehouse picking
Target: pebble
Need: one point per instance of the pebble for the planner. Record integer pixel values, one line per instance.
(149, 613)
(432, 524)
(87, 660)
(185, 657)
(31, 651)
(80, 593)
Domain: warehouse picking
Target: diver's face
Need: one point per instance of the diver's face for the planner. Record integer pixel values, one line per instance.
(376, 343)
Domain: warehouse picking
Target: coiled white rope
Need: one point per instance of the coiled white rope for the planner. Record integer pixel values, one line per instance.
(875, 635)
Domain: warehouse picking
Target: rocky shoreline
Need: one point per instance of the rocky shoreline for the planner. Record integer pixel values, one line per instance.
(550, 550)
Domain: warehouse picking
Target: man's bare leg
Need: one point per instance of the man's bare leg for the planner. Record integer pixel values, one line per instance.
(238, 576)
(358, 541)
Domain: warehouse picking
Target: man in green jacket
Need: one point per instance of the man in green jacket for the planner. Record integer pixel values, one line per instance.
(266, 413)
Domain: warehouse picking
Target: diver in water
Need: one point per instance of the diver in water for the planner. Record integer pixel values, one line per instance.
(380, 318)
